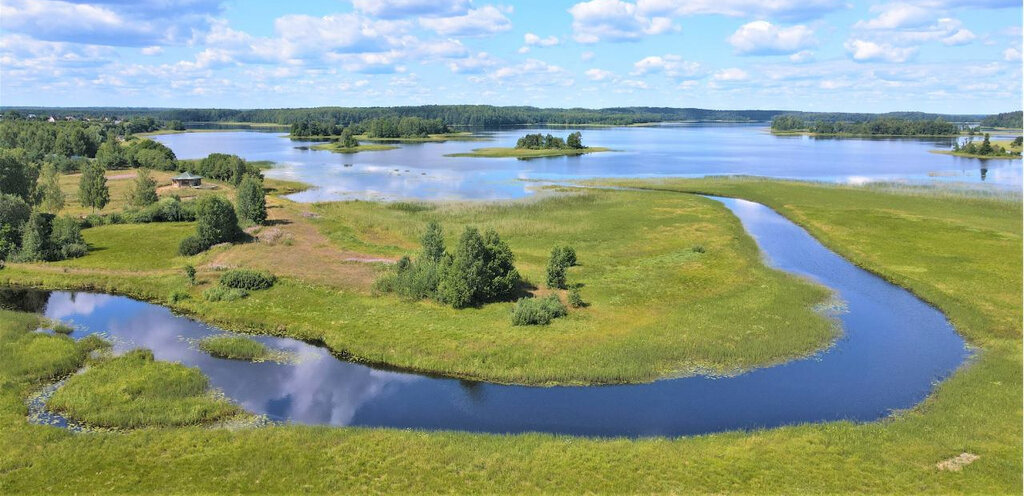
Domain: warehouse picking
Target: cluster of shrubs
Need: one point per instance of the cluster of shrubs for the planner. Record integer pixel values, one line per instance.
(537, 311)
(252, 280)
(31, 235)
(220, 293)
(480, 270)
(236, 284)
(541, 311)
(562, 257)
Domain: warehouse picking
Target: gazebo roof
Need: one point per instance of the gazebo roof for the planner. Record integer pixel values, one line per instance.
(186, 175)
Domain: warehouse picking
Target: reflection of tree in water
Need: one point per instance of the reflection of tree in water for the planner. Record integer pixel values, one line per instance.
(474, 389)
(984, 172)
(24, 300)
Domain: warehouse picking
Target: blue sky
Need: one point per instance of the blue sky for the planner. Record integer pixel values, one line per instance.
(955, 56)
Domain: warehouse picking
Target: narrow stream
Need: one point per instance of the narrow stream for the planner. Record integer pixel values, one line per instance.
(893, 350)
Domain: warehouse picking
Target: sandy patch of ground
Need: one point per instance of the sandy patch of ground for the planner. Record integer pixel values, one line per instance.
(289, 245)
(957, 463)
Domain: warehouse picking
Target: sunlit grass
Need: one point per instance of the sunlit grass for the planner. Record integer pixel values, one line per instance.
(978, 410)
(133, 390)
(234, 347)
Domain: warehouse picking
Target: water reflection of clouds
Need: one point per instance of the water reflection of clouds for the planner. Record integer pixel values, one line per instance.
(316, 389)
(690, 151)
(63, 305)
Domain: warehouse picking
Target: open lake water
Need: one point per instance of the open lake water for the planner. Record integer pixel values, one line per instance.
(421, 170)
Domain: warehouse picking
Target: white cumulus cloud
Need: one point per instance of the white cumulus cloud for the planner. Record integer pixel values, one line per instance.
(613, 20)
(765, 38)
(864, 51)
(476, 22)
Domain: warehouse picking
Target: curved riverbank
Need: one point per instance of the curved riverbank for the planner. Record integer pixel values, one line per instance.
(893, 348)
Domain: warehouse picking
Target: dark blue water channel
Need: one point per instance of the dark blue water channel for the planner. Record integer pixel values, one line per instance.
(893, 350)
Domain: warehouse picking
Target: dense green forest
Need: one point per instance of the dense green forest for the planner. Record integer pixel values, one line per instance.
(887, 126)
(383, 127)
(457, 115)
(333, 120)
(1007, 119)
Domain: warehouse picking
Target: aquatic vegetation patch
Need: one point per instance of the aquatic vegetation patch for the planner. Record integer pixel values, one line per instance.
(134, 390)
(236, 347)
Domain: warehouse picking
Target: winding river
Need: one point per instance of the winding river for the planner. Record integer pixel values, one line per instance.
(893, 350)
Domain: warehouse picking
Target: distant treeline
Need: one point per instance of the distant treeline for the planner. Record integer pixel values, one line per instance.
(475, 115)
(452, 115)
(383, 127)
(1013, 120)
(887, 126)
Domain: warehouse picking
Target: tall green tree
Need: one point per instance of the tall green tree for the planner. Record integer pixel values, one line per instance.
(500, 274)
(252, 201)
(16, 175)
(347, 140)
(35, 241)
(112, 156)
(574, 140)
(481, 269)
(462, 273)
(92, 186)
(216, 221)
(51, 198)
(14, 213)
(143, 190)
(433, 243)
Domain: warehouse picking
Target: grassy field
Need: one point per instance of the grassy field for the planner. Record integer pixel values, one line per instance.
(336, 147)
(119, 183)
(657, 306)
(500, 152)
(960, 253)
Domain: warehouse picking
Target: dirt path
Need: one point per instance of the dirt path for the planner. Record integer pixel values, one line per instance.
(290, 245)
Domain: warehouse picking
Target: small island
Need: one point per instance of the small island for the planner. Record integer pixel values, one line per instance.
(1005, 149)
(342, 147)
(535, 146)
(873, 127)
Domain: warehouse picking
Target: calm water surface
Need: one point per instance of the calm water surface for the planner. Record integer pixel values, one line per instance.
(893, 350)
(421, 171)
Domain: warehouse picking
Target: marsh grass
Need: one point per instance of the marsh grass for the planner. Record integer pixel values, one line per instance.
(234, 348)
(61, 328)
(133, 390)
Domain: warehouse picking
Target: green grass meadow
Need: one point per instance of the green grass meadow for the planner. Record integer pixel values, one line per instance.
(958, 252)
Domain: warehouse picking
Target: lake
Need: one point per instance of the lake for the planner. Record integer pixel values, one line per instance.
(421, 170)
(893, 350)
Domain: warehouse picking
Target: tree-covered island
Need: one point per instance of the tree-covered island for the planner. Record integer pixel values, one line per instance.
(986, 149)
(880, 127)
(537, 145)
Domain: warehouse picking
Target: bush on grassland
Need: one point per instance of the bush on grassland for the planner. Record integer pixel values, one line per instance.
(251, 280)
(191, 245)
(575, 299)
(537, 311)
(220, 293)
